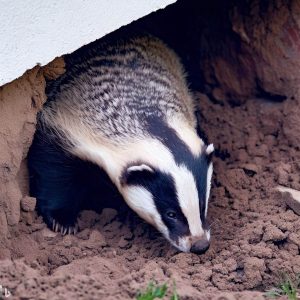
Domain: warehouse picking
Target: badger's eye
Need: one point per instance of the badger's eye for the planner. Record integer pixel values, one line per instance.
(171, 214)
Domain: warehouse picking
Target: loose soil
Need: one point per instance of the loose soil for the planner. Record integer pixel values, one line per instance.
(255, 237)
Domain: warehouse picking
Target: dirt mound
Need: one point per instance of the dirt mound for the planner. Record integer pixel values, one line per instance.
(255, 236)
(231, 54)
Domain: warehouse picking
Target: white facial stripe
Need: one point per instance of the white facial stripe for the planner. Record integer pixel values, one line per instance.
(114, 159)
(149, 151)
(187, 135)
(188, 199)
(141, 201)
(138, 198)
(142, 167)
(208, 185)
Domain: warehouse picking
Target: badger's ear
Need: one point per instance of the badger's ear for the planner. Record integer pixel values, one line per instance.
(140, 168)
(136, 174)
(209, 151)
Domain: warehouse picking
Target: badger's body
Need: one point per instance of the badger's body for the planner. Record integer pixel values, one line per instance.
(126, 108)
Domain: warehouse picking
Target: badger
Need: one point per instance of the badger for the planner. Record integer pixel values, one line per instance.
(125, 107)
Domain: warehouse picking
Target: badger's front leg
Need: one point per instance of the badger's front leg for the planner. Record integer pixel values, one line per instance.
(57, 181)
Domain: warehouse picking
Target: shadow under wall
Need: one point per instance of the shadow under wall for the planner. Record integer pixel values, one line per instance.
(232, 50)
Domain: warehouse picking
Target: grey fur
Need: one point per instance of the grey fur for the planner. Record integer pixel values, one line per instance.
(113, 92)
(126, 107)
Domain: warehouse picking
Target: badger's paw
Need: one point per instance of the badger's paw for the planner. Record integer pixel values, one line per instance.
(60, 220)
(64, 229)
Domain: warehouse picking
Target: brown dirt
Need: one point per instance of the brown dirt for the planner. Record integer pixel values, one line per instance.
(254, 235)
(20, 101)
(236, 52)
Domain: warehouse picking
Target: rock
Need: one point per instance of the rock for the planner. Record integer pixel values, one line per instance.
(47, 233)
(291, 198)
(283, 171)
(107, 215)
(96, 240)
(272, 233)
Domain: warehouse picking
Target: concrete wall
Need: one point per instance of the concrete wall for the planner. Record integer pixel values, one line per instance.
(35, 32)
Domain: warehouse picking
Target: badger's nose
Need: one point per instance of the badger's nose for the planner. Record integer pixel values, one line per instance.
(200, 246)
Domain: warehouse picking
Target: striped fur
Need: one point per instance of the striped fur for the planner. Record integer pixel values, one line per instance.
(126, 107)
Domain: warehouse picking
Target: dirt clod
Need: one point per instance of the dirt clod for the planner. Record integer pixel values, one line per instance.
(28, 203)
(254, 233)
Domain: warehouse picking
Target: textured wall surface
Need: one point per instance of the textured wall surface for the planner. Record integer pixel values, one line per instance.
(19, 104)
(35, 32)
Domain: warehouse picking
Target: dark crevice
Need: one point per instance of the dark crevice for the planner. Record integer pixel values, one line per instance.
(262, 93)
(222, 154)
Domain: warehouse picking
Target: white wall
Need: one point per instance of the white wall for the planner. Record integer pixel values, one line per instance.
(36, 31)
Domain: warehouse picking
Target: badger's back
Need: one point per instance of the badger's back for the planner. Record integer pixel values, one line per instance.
(113, 93)
(125, 107)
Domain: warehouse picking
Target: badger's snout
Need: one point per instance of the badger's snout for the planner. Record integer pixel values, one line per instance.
(200, 246)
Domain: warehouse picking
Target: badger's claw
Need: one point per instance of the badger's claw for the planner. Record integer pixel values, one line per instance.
(73, 229)
(63, 230)
(56, 227)
(53, 225)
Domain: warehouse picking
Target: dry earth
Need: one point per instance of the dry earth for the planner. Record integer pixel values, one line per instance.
(255, 236)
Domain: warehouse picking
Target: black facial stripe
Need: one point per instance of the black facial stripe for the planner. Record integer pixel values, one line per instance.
(162, 188)
(197, 165)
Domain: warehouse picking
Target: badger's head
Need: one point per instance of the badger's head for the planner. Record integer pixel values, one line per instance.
(169, 185)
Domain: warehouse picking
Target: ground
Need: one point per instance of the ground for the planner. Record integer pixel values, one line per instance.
(255, 236)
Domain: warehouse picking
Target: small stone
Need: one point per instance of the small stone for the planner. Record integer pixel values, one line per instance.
(95, 240)
(46, 232)
(28, 203)
(107, 215)
(123, 244)
(291, 198)
(272, 233)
